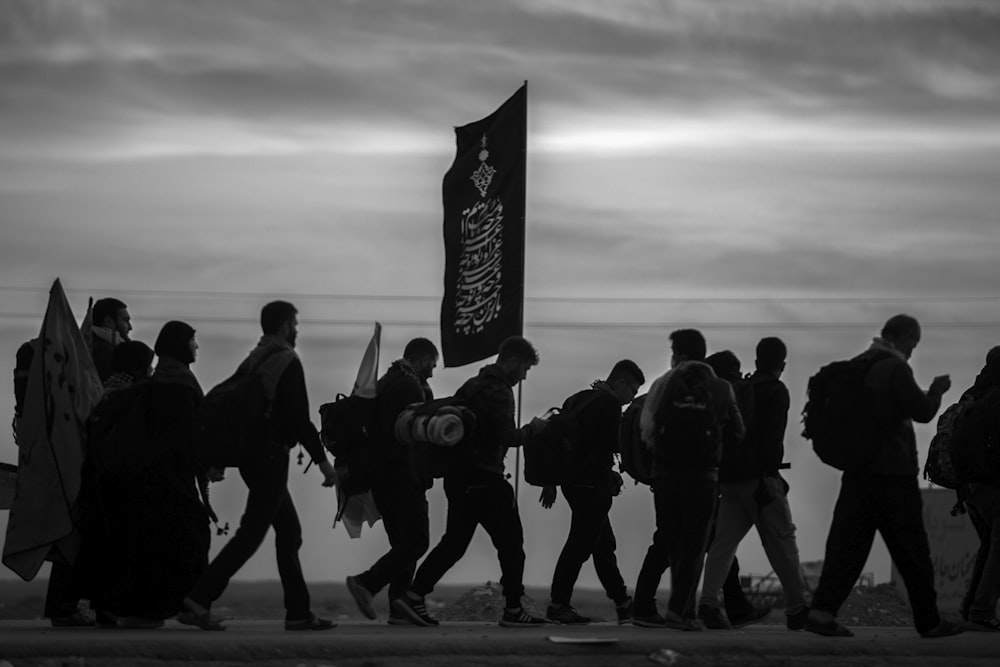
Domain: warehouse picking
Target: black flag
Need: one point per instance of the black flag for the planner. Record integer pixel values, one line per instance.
(484, 194)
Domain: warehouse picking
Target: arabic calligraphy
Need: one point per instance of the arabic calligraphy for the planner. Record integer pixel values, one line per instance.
(480, 267)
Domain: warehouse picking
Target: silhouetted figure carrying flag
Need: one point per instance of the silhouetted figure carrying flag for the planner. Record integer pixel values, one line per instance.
(484, 235)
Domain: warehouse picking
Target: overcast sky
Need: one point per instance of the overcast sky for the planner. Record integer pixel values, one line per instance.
(800, 168)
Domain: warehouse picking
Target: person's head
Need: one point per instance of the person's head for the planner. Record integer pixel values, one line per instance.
(687, 345)
(903, 333)
(725, 364)
(771, 355)
(516, 355)
(280, 318)
(133, 357)
(112, 314)
(423, 356)
(176, 341)
(625, 379)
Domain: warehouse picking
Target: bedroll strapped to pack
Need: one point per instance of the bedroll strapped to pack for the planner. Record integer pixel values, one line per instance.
(839, 416)
(439, 433)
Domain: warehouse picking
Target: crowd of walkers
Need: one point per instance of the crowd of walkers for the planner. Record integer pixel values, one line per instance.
(715, 443)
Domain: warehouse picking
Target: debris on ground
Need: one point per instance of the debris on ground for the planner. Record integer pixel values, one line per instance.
(482, 603)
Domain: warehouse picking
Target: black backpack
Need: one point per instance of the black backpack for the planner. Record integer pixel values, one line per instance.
(975, 445)
(939, 468)
(345, 429)
(687, 432)
(234, 420)
(554, 453)
(636, 458)
(738, 453)
(839, 415)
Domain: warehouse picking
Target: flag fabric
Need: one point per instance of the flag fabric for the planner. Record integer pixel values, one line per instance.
(356, 510)
(484, 193)
(63, 387)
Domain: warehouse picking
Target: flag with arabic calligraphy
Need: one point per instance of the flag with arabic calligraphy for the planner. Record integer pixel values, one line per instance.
(484, 193)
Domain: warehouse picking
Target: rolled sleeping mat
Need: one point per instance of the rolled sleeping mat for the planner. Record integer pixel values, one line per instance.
(445, 429)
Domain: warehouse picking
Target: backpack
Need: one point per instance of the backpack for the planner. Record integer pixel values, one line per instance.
(553, 453)
(975, 445)
(839, 417)
(345, 426)
(739, 453)
(939, 468)
(636, 458)
(687, 433)
(234, 420)
(441, 434)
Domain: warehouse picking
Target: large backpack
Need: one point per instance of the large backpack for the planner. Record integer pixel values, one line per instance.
(839, 416)
(687, 433)
(554, 453)
(975, 445)
(441, 434)
(636, 457)
(345, 429)
(234, 420)
(939, 468)
(741, 453)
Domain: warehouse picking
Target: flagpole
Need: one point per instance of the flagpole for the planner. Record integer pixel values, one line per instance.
(517, 452)
(524, 209)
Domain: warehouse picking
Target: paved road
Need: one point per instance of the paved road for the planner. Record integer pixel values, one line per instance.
(355, 644)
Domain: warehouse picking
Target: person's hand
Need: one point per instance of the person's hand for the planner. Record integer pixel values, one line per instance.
(215, 473)
(329, 474)
(616, 483)
(548, 496)
(940, 385)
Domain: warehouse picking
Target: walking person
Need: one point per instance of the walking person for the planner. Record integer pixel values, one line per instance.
(112, 323)
(478, 494)
(265, 472)
(884, 496)
(682, 422)
(399, 492)
(753, 493)
(598, 412)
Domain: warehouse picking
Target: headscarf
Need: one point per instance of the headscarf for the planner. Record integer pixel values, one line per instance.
(133, 357)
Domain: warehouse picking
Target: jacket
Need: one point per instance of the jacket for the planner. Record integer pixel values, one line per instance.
(490, 396)
(397, 389)
(599, 416)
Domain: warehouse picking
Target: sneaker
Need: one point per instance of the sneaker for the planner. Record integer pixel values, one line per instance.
(753, 615)
(653, 620)
(713, 618)
(106, 619)
(827, 628)
(78, 619)
(415, 610)
(624, 612)
(944, 629)
(989, 625)
(396, 618)
(797, 621)
(564, 614)
(314, 622)
(362, 597)
(519, 618)
(674, 620)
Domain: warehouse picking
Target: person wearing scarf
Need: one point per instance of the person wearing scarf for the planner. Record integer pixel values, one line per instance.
(111, 325)
(885, 497)
(164, 516)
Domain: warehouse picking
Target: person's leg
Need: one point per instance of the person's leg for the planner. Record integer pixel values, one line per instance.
(287, 542)
(501, 521)
(460, 526)
(403, 506)
(695, 503)
(62, 594)
(901, 524)
(606, 563)
(266, 479)
(982, 554)
(731, 525)
(777, 535)
(587, 522)
(986, 499)
(852, 532)
(657, 558)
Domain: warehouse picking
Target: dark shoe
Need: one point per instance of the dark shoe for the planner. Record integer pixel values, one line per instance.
(78, 619)
(415, 610)
(362, 597)
(565, 615)
(624, 612)
(519, 618)
(944, 629)
(713, 618)
(797, 621)
(106, 619)
(139, 623)
(653, 620)
(829, 628)
(752, 615)
(674, 620)
(198, 616)
(314, 622)
(990, 625)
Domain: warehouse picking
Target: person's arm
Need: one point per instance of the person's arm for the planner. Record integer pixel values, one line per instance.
(291, 406)
(771, 420)
(915, 403)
